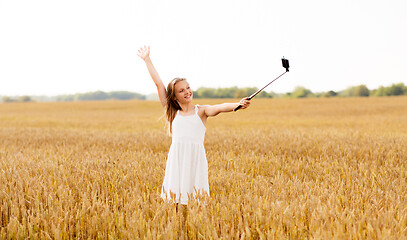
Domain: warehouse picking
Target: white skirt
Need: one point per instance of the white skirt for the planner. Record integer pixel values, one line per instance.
(186, 172)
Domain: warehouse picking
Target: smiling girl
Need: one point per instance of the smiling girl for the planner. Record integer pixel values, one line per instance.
(186, 172)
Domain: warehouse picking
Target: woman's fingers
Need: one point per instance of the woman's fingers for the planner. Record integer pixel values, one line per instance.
(143, 52)
(244, 103)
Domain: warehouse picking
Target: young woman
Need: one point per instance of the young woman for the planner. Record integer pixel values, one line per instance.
(186, 172)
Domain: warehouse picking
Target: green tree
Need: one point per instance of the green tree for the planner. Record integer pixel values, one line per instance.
(361, 91)
(330, 94)
(356, 91)
(395, 90)
(381, 91)
(245, 92)
(263, 94)
(301, 92)
(240, 93)
(225, 92)
(203, 92)
(348, 92)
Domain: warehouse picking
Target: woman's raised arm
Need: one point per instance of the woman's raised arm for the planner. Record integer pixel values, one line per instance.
(144, 53)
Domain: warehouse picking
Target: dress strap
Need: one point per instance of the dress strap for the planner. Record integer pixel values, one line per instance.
(196, 108)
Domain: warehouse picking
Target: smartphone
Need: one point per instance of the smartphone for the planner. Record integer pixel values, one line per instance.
(286, 65)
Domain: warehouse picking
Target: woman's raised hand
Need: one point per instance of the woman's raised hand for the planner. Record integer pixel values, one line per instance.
(245, 103)
(144, 52)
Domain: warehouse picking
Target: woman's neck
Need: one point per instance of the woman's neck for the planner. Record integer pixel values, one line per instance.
(186, 107)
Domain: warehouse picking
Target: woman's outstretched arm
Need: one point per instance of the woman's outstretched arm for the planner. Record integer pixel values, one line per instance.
(144, 53)
(211, 111)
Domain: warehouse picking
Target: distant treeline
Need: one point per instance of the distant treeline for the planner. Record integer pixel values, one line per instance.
(231, 92)
(302, 92)
(100, 95)
(89, 96)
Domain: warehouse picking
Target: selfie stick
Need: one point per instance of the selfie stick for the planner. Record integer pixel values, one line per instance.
(286, 65)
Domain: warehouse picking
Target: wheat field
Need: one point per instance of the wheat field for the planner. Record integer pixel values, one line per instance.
(283, 169)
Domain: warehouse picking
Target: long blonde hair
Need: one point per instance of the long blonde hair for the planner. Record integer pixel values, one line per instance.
(172, 105)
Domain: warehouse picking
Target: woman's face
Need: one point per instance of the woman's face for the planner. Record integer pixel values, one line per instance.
(183, 92)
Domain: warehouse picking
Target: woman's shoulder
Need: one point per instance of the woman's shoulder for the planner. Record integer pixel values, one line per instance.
(201, 109)
(200, 106)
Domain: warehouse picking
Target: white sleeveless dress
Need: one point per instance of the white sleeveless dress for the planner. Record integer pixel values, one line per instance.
(186, 172)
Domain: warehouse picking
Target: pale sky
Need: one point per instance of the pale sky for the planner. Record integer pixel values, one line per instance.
(61, 47)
